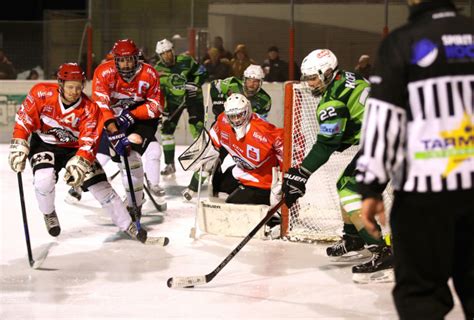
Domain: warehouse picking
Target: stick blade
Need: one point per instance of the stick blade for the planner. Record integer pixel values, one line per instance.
(185, 282)
(42, 256)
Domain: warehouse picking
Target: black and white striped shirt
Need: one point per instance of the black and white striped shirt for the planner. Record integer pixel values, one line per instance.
(418, 128)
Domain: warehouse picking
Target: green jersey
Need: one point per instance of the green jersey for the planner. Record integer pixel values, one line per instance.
(174, 78)
(339, 114)
(221, 89)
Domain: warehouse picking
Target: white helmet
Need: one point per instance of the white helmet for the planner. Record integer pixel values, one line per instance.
(238, 110)
(163, 46)
(253, 71)
(321, 63)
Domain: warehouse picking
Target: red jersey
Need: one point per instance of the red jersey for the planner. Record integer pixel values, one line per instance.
(255, 154)
(78, 126)
(108, 88)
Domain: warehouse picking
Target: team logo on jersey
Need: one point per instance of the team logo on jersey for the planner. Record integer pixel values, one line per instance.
(62, 135)
(330, 129)
(456, 145)
(241, 163)
(253, 153)
(424, 53)
(257, 135)
(225, 136)
(42, 158)
(458, 47)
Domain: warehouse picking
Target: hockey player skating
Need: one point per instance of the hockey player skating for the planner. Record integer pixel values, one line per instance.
(251, 87)
(128, 93)
(339, 114)
(64, 126)
(181, 78)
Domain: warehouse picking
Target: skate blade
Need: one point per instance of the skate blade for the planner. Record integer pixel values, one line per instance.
(71, 200)
(352, 256)
(382, 276)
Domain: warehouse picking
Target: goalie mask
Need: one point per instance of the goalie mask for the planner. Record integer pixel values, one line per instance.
(165, 51)
(238, 111)
(125, 54)
(318, 70)
(253, 79)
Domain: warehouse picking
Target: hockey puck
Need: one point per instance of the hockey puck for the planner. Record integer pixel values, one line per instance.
(169, 282)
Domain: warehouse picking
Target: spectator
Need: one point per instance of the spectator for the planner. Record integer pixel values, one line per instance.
(276, 70)
(217, 68)
(7, 71)
(240, 61)
(33, 75)
(363, 66)
(218, 43)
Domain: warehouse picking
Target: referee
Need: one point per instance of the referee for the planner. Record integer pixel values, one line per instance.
(418, 131)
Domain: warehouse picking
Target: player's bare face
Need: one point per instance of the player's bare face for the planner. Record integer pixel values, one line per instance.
(252, 86)
(168, 57)
(314, 82)
(126, 63)
(71, 91)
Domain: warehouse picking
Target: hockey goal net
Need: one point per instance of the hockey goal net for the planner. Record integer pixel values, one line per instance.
(317, 215)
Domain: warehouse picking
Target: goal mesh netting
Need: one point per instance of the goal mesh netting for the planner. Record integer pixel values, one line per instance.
(317, 215)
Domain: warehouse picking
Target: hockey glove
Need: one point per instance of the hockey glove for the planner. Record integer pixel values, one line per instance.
(19, 150)
(125, 120)
(217, 107)
(294, 184)
(76, 169)
(120, 143)
(191, 90)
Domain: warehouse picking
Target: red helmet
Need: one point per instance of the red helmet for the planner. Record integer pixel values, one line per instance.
(125, 47)
(71, 72)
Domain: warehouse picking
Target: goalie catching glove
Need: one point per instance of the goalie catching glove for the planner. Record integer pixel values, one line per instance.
(294, 184)
(19, 150)
(200, 153)
(76, 169)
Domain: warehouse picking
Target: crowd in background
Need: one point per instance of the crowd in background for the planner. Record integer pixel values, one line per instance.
(219, 63)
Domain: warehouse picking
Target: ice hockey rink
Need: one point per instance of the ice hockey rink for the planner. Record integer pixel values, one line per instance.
(95, 272)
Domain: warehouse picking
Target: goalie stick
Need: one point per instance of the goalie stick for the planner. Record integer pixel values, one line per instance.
(190, 282)
(35, 264)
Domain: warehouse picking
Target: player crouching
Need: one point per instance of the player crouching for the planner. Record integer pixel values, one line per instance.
(64, 126)
(255, 145)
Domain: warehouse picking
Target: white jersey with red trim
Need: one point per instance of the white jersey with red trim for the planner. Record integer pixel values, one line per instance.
(78, 126)
(256, 154)
(108, 88)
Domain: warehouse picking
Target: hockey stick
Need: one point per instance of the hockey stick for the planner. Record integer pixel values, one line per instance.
(112, 177)
(160, 208)
(163, 241)
(33, 264)
(135, 215)
(193, 231)
(190, 282)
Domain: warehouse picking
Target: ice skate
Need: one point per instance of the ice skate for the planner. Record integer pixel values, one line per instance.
(52, 224)
(73, 196)
(377, 270)
(140, 235)
(188, 194)
(349, 249)
(169, 170)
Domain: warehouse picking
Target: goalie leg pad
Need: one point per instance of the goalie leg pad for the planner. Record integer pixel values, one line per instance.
(233, 220)
(44, 181)
(111, 202)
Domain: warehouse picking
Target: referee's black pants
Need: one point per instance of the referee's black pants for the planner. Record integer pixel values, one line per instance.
(433, 241)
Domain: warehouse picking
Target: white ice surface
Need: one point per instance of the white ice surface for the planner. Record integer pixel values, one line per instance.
(94, 272)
